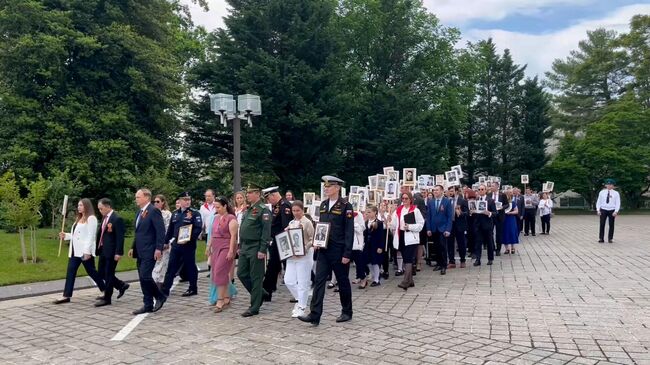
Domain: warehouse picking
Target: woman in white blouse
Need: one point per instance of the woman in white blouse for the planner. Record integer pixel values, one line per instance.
(297, 276)
(406, 237)
(545, 209)
(82, 239)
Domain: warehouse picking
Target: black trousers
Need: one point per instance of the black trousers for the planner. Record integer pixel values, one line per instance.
(147, 285)
(73, 265)
(273, 268)
(459, 238)
(546, 223)
(389, 254)
(529, 220)
(520, 223)
(361, 259)
(606, 215)
(471, 234)
(484, 237)
(440, 243)
(106, 268)
(328, 261)
(498, 231)
(181, 255)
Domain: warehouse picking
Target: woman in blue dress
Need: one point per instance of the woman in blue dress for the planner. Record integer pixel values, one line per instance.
(510, 228)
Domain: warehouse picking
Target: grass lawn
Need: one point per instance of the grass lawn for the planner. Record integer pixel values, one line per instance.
(51, 267)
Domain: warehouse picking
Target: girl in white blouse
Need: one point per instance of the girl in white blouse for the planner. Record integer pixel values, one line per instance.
(82, 239)
(297, 276)
(545, 209)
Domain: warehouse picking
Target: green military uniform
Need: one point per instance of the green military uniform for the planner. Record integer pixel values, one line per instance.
(254, 237)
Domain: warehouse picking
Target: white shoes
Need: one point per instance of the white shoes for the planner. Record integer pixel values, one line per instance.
(297, 311)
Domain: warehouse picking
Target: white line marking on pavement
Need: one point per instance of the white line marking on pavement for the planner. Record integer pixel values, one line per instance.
(126, 330)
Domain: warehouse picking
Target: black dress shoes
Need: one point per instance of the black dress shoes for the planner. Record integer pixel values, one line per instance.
(142, 310)
(489, 262)
(610, 241)
(159, 303)
(385, 276)
(102, 303)
(61, 301)
(189, 293)
(498, 253)
(601, 241)
(477, 263)
(436, 268)
(122, 290)
(101, 297)
(399, 273)
(249, 313)
(267, 297)
(343, 318)
(293, 301)
(309, 319)
(443, 271)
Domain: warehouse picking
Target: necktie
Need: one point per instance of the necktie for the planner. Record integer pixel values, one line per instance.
(437, 204)
(607, 201)
(137, 221)
(101, 236)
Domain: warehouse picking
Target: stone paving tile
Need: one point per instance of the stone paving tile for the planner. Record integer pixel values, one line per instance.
(561, 299)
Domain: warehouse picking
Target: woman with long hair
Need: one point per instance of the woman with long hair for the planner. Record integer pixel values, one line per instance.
(160, 269)
(510, 227)
(82, 239)
(222, 248)
(406, 237)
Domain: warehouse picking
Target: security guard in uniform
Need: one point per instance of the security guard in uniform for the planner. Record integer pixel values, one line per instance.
(254, 239)
(339, 213)
(281, 212)
(183, 251)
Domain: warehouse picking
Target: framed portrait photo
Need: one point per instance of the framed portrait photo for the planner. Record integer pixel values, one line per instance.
(482, 180)
(381, 180)
(308, 198)
(388, 169)
(354, 200)
(372, 197)
(297, 241)
(524, 179)
(354, 189)
(284, 245)
(422, 181)
(459, 171)
(471, 204)
(499, 205)
(440, 179)
(409, 175)
(314, 211)
(184, 234)
(481, 206)
(363, 195)
(322, 190)
(391, 190)
(393, 175)
(548, 186)
(452, 178)
(372, 182)
(321, 234)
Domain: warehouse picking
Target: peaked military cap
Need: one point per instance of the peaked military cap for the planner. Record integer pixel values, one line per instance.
(253, 187)
(332, 180)
(271, 190)
(610, 182)
(185, 194)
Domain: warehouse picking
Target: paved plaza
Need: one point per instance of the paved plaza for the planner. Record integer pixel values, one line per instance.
(561, 299)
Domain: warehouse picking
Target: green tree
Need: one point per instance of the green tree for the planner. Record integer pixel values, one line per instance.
(637, 47)
(91, 85)
(23, 213)
(588, 80)
(60, 184)
(282, 50)
(616, 146)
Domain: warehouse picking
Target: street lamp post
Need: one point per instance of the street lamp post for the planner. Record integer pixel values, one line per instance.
(245, 107)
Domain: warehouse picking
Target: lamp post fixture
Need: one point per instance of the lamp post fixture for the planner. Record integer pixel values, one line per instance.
(244, 108)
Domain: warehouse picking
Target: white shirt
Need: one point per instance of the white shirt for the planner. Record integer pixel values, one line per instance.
(206, 211)
(82, 238)
(614, 200)
(545, 206)
(332, 202)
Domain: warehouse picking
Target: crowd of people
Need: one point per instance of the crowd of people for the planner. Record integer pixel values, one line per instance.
(442, 227)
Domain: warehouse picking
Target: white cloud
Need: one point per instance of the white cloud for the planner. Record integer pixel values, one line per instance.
(540, 50)
(211, 19)
(458, 12)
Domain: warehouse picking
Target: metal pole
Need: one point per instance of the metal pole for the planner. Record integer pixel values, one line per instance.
(236, 135)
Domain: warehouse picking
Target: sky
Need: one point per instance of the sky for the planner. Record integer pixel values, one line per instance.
(536, 31)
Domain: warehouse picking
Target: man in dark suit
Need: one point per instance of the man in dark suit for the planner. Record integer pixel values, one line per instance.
(459, 228)
(439, 225)
(484, 227)
(110, 249)
(147, 249)
(500, 217)
(281, 216)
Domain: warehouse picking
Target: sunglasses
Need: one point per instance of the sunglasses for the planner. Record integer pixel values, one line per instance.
(481, 189)
(157, 201)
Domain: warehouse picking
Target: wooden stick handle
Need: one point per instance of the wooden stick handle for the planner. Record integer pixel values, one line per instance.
(61, 239)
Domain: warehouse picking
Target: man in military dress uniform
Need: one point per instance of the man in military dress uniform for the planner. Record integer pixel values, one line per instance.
(183, 251)
(338, 212)
(254, 238)
(281, 212)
